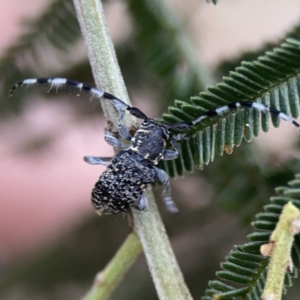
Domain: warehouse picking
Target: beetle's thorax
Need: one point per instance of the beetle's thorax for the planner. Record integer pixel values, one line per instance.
(150, 140)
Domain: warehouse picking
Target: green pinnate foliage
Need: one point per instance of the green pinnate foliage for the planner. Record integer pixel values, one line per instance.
(272, 79)
(245, 267)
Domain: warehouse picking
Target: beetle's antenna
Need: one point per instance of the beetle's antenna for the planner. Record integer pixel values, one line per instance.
(59, 82)
(232, 107)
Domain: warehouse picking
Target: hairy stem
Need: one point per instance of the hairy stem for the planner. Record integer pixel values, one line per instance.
(102, 56)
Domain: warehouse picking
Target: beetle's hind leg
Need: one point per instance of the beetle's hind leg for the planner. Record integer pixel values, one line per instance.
(163, 177)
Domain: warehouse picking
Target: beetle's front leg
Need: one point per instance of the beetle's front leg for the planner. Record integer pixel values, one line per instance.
(113, 141)
(98, 160)
(121, 107)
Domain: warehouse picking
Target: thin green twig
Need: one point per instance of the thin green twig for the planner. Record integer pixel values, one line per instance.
(166, 274)
(107, 280)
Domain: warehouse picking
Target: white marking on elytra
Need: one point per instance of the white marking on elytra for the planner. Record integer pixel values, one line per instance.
(223, 109)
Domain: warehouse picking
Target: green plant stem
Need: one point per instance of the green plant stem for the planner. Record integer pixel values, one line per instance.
(107, 280)
(166, 274)
(281, 242)
(102, 56)
(163, 266)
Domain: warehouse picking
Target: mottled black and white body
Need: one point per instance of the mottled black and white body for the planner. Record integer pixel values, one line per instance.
(122, 184)
(133, 169)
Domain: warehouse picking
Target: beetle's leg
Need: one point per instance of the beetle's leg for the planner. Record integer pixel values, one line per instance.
(113, 141)
(173, 154)
(96, 160)
(163, 177)
(141, 204)
(170, 155)
(123, 130)
(121, 107)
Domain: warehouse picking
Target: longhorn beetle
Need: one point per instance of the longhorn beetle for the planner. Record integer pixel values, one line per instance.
(132, 169)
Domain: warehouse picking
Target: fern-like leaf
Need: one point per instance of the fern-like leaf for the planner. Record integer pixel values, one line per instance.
(245, 266)
(273, 79)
